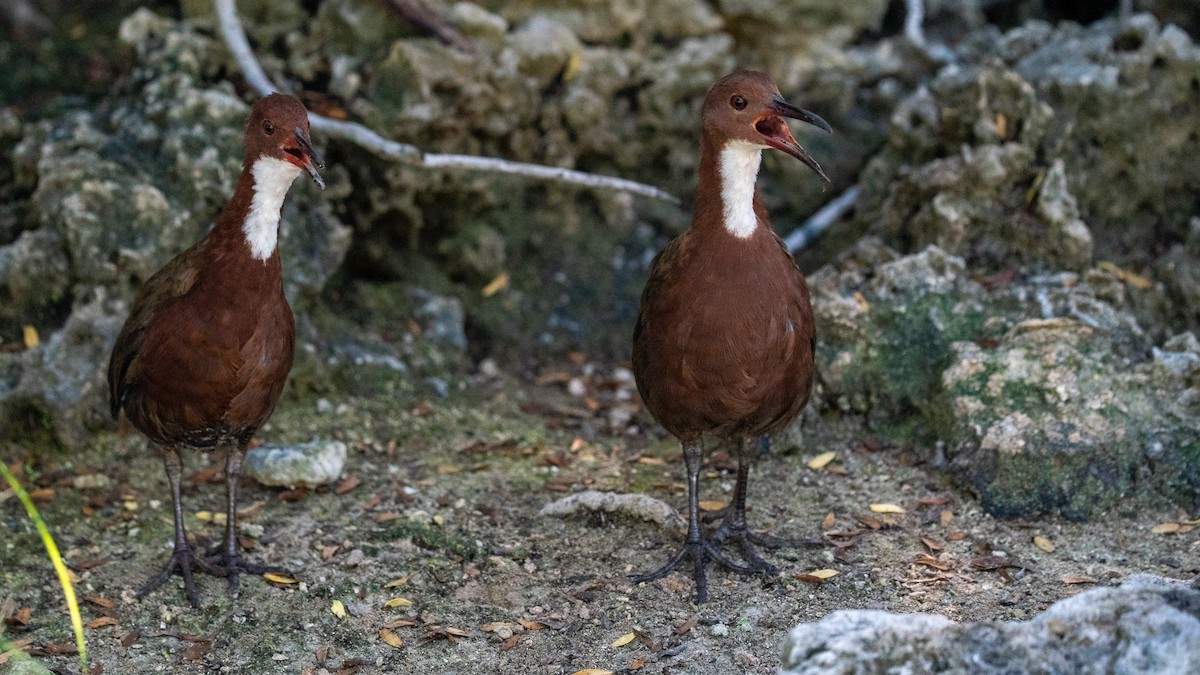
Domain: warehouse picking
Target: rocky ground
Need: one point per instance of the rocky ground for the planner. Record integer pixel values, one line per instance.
(440, 508)
(1007, 318)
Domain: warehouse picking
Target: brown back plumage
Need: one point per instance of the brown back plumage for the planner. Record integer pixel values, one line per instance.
(725, 338)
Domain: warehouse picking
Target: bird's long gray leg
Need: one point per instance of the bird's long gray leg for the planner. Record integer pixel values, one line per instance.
(182, 558)
(695, 546)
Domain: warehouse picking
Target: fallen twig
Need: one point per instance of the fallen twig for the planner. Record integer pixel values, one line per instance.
(821, 220)
(239, 46)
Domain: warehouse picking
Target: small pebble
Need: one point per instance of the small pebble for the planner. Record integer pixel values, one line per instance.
(305, 464)
(354, 558)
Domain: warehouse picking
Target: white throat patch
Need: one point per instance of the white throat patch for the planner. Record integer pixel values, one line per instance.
(739, 168)
(272, 178)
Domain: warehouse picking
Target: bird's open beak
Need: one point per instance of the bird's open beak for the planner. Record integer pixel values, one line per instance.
(305, 156)
(776, 134)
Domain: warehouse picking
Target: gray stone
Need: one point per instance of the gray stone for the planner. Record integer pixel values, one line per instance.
(440, 318)
(24, 665)
(544, 48)
(34, 278)
(309, 464)
(60, 384)
(1069, 120)
(1042, 392)
(1054, 419)
(1147, 625)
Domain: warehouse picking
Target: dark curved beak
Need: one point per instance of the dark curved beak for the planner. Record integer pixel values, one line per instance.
(776, 134)
(312, 159)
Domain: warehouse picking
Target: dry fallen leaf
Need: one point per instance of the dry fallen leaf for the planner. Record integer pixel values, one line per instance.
(29, 336)
(930, 561)
(198, 649)
(495, 285)
(390, 638)
(688, 625)
(1132, 278)
(398, 602)
(887, 508)
(712, 506)
(20, 617)
(824, 574)
(509, 643)
(623, 640)
(1044, 544)
(397, 582)
(945, 517)
(338, 609)
(931, 543)
(1079, 580)
(828, 521)
(593, 671)
(1166, 528)
(99, 601)
(205, 516)
(101, 622)
(278, 578)
(347, 485)
(863, 305)
(820, 461)
(531, 625)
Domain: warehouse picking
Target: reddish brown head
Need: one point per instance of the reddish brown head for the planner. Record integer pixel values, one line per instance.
(278, 128)
(747, 106)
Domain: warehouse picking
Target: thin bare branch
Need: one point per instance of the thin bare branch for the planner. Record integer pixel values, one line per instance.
(821, 220)
(239, 46)
(913, 18)
(424, 18)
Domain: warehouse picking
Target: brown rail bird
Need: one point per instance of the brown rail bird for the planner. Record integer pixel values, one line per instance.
(204, 354)
(724, 339)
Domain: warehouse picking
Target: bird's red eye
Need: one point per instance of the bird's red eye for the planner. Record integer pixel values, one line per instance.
(268, 127)
(738, 102)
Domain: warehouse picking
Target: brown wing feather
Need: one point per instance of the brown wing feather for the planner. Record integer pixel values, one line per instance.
(174, 280)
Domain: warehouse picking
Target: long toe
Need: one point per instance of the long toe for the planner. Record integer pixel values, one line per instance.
(749, 543)
(670, 566)
(185, 563)
(700, 553)
(233, 567)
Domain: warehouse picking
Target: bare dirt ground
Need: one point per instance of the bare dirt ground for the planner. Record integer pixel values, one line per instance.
(439, 508)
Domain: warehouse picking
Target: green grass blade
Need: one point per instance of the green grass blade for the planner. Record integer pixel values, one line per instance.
(64, 577)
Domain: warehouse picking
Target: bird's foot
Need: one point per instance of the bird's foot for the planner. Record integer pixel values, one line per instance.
(186, 562)
(750, 541)
(232, 566)
(701, 552)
